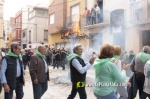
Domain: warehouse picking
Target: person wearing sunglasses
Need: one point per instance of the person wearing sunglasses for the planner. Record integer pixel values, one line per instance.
(12, 72)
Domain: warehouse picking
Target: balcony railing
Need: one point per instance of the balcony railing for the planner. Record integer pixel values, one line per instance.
(140, 12)
(72, 19)
(16, 25)
(104, 18)
(84, 21)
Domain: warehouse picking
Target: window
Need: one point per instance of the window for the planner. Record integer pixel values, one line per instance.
(137, 10)
(52, 18)
(45, 35)
(24, 46)
(16, 21)
(19, 33)
(23, 34)
(74, 12)
(31, 14)
(14, 34)
(29, 36)
(7, 38)
(7, 26)
(19, 20)
(41, 13)
(133, 1)
(148, 9)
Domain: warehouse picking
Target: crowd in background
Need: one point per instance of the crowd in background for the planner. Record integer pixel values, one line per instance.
(56, 57)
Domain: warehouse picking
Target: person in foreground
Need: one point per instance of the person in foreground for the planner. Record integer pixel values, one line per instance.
(120, 89)
(12, 73)
(78, 70)
(137, 67)
(107, 74)
(39, 72)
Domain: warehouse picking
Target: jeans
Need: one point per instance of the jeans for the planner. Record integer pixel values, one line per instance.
(25, 64)
(80, 90)
(39, 89)
(0, 87)
(88, 20)
(123, 92)
(112, 95)
(57, 62)
(63, 64)
(140, 78)
(48, 60)
(129, 73)
(144, 95)
(98, 20)
(93, 20)
(18, 90)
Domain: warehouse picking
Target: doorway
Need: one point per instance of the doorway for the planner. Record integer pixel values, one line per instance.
(146, 37)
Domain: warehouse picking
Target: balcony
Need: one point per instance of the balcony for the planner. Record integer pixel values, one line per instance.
(72, 19)
(83, 24)
(104, 21)
(140, 12)
(16, 26)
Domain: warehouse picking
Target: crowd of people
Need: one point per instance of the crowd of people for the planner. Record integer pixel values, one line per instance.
(110, 65)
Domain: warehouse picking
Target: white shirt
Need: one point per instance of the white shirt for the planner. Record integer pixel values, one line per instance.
(79, 67)
(46, 67)
(3, 54)
(97, 9)
(119, 65)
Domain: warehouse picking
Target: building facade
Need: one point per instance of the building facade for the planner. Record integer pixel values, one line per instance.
(25, 13)
(57, 20)
(2, 44)
(138, 28)
(17, 28)
(37, 29)
(124, 23)
(7, 31)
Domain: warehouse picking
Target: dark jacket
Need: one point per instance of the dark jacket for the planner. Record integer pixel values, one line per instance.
(11, 71)
(76, 76)
(37, 69)
(131, 56)
(132, 91)
(63, 55)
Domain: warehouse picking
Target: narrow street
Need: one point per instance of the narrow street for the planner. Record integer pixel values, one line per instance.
(59, 85)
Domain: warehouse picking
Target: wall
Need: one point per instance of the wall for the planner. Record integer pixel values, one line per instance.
(37, 25)
(2, 44)
(33, 28)
(42, 24)
(24, 17)
(58, 8)
(81, 7)
(90, 3)
(18, 27)
(55, 38)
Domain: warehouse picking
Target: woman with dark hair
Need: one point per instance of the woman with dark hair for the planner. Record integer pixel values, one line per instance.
(107, 74)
